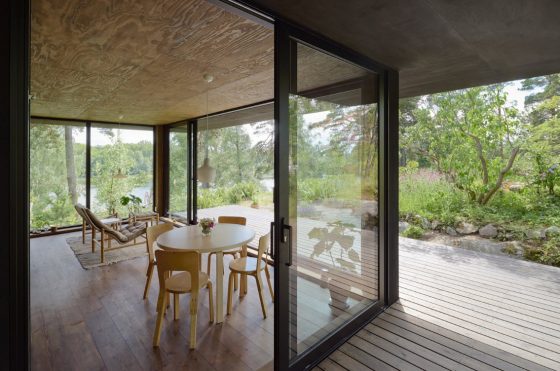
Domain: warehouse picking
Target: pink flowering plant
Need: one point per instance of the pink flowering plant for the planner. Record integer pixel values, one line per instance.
(207, 224)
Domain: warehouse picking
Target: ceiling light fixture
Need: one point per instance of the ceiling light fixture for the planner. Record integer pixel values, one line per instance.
(206, 173)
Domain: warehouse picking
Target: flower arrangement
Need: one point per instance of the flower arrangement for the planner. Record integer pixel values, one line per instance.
(207, 224)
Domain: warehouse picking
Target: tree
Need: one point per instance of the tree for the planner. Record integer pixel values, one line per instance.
(472, 137)
(70, 164)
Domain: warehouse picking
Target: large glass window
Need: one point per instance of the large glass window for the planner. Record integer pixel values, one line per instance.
(240, 146)
(57, 172)
(121, 165)
(178, 171)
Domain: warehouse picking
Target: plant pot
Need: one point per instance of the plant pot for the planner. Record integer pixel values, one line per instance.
(54, 228)
(339, 297)
(255, 205)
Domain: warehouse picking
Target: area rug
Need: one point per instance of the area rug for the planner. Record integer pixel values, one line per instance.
(90, 260)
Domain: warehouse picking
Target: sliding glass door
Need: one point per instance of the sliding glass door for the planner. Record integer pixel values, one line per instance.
(327, 179)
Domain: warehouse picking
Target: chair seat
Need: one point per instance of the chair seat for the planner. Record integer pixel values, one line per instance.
(246, 265)
(181, 282)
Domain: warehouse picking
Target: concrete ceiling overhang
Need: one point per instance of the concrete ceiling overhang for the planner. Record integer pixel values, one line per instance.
(439, 45)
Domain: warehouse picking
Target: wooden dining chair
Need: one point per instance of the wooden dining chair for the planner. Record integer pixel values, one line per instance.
(190, 279)
(152, 233)
(249, 266)
(237, 252)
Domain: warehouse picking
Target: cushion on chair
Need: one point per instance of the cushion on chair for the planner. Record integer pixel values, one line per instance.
(181, 282)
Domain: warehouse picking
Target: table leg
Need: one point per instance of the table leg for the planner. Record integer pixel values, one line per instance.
(219, 287)
(243, 283)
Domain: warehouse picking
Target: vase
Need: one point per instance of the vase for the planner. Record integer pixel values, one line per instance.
(206, 231)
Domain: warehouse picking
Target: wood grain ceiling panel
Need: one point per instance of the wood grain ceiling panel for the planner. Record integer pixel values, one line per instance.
(144, 59)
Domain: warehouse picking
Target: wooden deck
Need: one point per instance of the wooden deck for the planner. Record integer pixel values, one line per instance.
(458, 310)
(461, 310)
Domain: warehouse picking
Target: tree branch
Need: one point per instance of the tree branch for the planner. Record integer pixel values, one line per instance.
(500, 179)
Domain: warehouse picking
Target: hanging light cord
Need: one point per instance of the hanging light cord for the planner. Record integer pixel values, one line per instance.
(207, 92)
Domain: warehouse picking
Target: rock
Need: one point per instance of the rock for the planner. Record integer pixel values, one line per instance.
(425, 223)
(535, 234)
(488, 231)
(370, 207)
(516, 187)
(435, 224)
(552, 231)
(466, 228)
(451, 231)
(403, 226)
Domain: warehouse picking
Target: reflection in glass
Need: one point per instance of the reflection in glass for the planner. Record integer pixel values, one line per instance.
(333, 195)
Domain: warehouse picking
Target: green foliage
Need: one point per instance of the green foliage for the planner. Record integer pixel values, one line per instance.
(413, 231)
(469, 135)
(548, 253)
(132, 202)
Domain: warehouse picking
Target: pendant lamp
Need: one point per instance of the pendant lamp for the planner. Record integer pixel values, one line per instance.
(206, 173)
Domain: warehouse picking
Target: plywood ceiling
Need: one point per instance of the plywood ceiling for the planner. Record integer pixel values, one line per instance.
(144, 60)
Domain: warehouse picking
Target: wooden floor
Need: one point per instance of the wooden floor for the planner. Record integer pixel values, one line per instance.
(96, 320)
(461, 310)
(458, 310)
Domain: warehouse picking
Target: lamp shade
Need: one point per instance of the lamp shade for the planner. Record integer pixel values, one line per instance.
(206, 173)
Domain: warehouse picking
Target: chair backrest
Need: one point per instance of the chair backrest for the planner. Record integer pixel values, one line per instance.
(177, 261)
(264, 243)
(152, 233)
(80, 210)
(97, 223)
(232, 220)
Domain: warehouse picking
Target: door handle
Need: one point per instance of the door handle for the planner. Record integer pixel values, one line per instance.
(287, 238)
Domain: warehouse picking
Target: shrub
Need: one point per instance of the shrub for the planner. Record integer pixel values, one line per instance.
(548, 253)
(413, 232)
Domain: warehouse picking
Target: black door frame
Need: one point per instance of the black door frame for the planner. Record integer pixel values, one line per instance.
(285, 34)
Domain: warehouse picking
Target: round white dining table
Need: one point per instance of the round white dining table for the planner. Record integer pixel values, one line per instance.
(223, 237)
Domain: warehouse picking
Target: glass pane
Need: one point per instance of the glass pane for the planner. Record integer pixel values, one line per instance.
(178, 172)
(240, 146)
(333, 195)
(121, 165)
(57, 173)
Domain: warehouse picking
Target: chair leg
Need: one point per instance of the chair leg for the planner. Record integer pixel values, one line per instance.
(102, 247)
(148, 279)
(260, 289)
(194, 312)
(230, 293)
(267, 273)
(83, 231)
(175, 307)
(159, 321)
(92, 240)
(210, 301)
(235, 281)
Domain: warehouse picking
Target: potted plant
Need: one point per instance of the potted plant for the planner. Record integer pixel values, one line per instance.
(133, 203)
(336, 235)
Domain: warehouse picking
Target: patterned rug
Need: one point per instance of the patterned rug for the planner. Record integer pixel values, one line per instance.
(90, 260)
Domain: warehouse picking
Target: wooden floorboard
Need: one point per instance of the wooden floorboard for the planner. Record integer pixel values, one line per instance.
(458, 310)
(461, 309)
